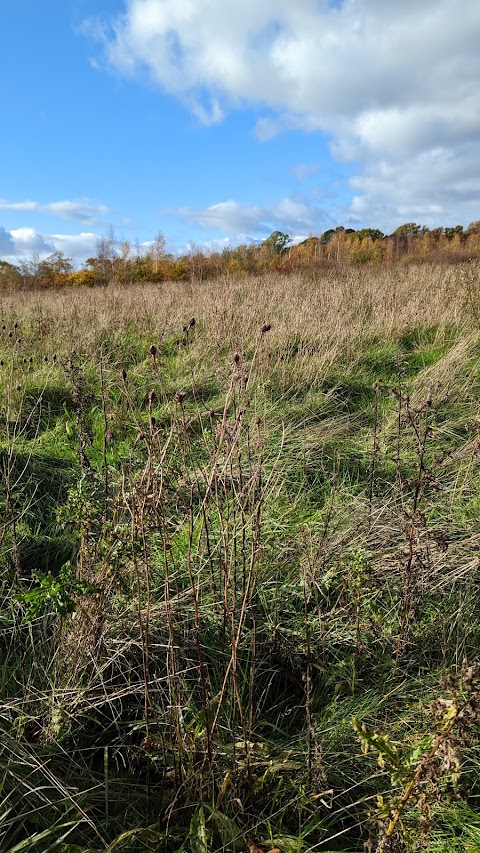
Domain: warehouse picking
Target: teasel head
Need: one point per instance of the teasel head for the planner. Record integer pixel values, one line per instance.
(151, 399)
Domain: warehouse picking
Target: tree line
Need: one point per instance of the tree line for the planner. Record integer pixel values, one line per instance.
(120, 262)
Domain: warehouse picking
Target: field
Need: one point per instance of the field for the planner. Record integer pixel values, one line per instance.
(239, 558)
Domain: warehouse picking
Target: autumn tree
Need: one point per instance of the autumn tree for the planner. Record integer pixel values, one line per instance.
(370, 233)
(276, 244)
(10, 276)
(453, 232)
(54, 271)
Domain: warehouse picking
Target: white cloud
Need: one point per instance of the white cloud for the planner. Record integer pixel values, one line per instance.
(87, 213)
(290, 215)
(81, 211)
(27, 241)
(211, 114)
(76, 246)
(432, 187)
(389, 82)
(21, 243)
(307, 59)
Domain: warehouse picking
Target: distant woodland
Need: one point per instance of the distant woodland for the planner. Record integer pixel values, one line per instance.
(121, 262)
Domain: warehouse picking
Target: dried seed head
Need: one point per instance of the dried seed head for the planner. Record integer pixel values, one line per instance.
(54, 357)
(10, 334)
(153, 350)
(153, 421)
(31, 359)
(108, 436)
(266, 328)
(192, 323)
(180, 396)
(1, 362)
(124, 375)
(152, 397)
(236, 358)
(184, 328)
(19, 387)
(15, 326)
(45, 358)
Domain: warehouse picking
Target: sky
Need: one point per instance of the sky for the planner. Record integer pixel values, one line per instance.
(216, 122)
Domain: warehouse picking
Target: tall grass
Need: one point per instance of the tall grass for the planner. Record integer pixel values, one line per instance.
(236, 515)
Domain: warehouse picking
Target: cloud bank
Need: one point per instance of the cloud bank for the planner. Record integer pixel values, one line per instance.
(20, 243)
(395, 86)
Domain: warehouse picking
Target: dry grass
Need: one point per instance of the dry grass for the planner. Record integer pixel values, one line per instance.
(327, 311)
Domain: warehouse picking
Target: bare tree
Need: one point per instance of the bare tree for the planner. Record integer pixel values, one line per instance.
(157, 252)
(107, 255)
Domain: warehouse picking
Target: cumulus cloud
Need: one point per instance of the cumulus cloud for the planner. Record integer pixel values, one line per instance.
(81, 211)
(76, 246)
(21, 243)
(27, 241)
(434, 186)
(388, 82)
(290, 215)
(320, 63)
(7, 246)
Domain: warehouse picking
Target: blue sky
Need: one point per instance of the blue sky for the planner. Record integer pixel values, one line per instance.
(217, 122)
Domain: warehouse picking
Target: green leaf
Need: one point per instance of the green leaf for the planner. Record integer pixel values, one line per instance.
(198, 832)
(228, 831)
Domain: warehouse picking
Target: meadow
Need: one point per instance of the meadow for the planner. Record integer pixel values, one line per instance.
(239, 554)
